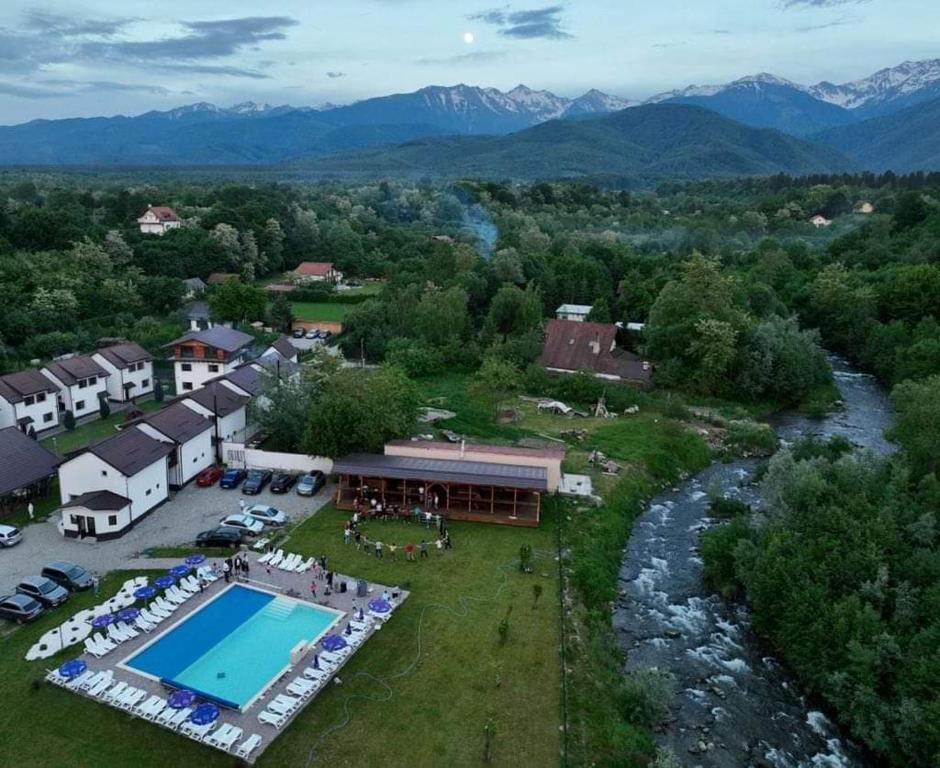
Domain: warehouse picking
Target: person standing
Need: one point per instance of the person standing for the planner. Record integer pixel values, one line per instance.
(424, 548)
(245, 567)
(227, 569)
(31, 511)
(95, 583)
(242, 505)
(347, 534)
(378, 549)
(358, 539)
(313, 588)
(392, 549)
(409, 551)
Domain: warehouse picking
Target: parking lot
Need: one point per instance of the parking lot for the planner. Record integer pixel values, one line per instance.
(177, 522)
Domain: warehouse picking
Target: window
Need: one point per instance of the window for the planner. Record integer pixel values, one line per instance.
(145, 383)
(79, 405)
(148, 492)
(187, 386)
(47, 417)
(83, 383)
(29, 400)
(41, 397)
(92, 381)
(213, 368)
(104, 473)
(186, 366)
(112, 520)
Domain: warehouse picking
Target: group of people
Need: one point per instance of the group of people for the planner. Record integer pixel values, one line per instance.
(236, 568)
(353, 533)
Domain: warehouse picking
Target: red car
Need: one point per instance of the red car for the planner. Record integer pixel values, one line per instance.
(209, 476)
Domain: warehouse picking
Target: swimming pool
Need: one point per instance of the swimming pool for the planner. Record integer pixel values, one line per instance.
(234, 646)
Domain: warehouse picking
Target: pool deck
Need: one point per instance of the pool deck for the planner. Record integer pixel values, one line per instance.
(291, 584)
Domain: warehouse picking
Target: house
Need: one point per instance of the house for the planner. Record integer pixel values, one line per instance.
(82, 383)
(247, 379)
(199, 316)
(130, 371)
(220, 278)
(26, 467)
(199, 356)
(28, 401)
(131, 465)
(284, 348)
(228, 407)
(158, 220)
(864, 207)
(317, 272)
(549, 457)
(190, 433)
(820, 221)
(571, 346)
(575, 312)
(193, 287)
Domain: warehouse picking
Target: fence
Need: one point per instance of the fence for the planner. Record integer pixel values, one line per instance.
(237, 455)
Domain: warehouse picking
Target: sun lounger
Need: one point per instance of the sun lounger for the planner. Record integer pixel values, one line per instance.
(336, 657)
(288, 563)
(143, 625)
(263, 560)
(95, 679)
(212, 739)
(77, 682)
(226, 742)
(132, 698)
(94, 648)
(285, 704)
(179, 718)
(278, 556)
(114, 692)
(305, 565)
(302, 688)
(261, 543)
(196, 732)
(176, 595)
(272, 718)
(100, 640)
(141, 709)
(53, 676)
(115, 635)
(169, 714)
(320, 675)
(98, 689)
(165, 605)
(127, 629)
(248, 746)
(155, 709)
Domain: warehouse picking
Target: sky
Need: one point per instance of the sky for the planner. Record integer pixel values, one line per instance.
(98, 57)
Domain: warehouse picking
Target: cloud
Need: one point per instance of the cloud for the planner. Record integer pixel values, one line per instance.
(55, 24)
(212, 69)
(475, 57)
(820, 3)
(29, 92)
(544, 23)
(335, 75)
(721, 31)
(107, 85)
(842, 21)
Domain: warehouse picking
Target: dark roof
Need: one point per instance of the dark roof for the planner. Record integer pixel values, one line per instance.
(123, 355)
(284, 346)
(195, 283)
(130, 450)
(218, 398)
(431, 470)
(218, 278)
(98, 501)
(23, 461)
(247, 378)
(15, 386)
(178, 422)
(198, 310)
(277, 365)
(546, 452)
(73, 369)
(220, 337)
(573, 346)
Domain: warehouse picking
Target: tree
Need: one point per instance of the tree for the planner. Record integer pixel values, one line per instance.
(494, 381)
(272, 245)
(120, 253)
(68, 420)
(281, 314)
(237, 302)
(513, 311)
(104, 408)
(600, 312)
(158, 393)
(360, 410)
(916, 424)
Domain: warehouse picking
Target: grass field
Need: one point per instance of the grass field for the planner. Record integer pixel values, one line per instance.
(93, 430)
(322, 311)
(419, 693)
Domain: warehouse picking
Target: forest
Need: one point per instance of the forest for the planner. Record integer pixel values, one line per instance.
(742, 299)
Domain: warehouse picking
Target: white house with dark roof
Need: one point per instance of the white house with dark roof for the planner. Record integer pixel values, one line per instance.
(130, 370)
(158, 220)
(193, 287)
(191, 435)
(578, 313)
(81, 382)
(28, 400)
(132, 465)
(199, 356)
(284, 348)
(227, 407)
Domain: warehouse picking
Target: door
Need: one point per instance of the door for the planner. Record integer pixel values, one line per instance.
(90, 526)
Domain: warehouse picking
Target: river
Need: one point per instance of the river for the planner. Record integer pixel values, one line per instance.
(734, 704)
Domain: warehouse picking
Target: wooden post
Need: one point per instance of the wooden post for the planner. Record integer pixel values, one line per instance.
(515, 502)
(538, 506)
(492, 500)
(404, 494)
(339, 490)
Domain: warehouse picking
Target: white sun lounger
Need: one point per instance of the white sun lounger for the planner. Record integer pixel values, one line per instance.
(153, 711)
(168, 715)
(98, 689)
(127, 629)
(263, 560)
(336, 657)
(145, 706)
(272, 718)
(212, 739)
(132, 699)
(165, 605)
(143, 625)
(288, 563)
(278, 556)
(317, 674)
(261, 543)
(94, 649)
(248, 746)
(226, 742)
(175, 594)
(91, 682)
(77, 682)
(196, 732)
(302, 688)
(114, 691)
(305, 565)
(285, 704)
(115, 635)
(179, 718)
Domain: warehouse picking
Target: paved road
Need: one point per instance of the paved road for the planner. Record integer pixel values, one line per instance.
(190, 511)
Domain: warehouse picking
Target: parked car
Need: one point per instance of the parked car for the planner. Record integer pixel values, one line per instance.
(46, 591)
(10, 535)
(209, 476)
(244, 522)
(223, 536)
(282, 482)
(326, 336)
(256, 480)
(267, 515)
(308, 485)
(311, 335)
(19, 608)
(298, 333)
(232, 478)
(72, 577)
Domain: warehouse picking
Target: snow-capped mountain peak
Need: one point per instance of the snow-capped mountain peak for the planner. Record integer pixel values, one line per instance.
(885, 85)
(249, 108)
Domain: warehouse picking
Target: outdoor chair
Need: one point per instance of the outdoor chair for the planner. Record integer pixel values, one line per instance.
(144, 706)
(102, 685)
(126, 629)
(114, 691)
(272, 718)
(248, 746)
(179, 718)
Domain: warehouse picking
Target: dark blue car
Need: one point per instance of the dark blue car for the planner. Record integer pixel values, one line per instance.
(232, 478)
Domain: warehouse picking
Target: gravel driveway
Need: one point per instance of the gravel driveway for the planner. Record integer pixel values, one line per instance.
(188, 512)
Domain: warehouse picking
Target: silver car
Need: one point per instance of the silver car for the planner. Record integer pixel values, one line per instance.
(46, 591)
(10, 535)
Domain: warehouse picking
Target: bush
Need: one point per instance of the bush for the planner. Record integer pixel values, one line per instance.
(718, 547)
(158, 393)
(68, 421)
(646, 695)
(727, 508)
(414, 358)
(104, 408)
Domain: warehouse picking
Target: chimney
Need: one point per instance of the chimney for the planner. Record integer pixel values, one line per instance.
(596, 344)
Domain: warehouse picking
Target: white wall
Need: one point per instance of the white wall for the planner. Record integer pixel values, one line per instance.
(231, 428)
(199, 373)
(119, 377)
(237, 455)
(10, 413)
(86, 473)
(102, 526)
(195, 455)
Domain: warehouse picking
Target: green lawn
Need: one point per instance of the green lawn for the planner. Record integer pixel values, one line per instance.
(419, 693)
(313, 311)
(93, 430)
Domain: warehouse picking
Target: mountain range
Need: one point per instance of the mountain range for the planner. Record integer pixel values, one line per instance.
(869, 121)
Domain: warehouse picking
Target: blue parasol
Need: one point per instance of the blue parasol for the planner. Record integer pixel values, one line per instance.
(72, 668)
(181, 699)
(205, 713)
(128, 614)
(333, 643)
(179, 570)
(144, 593)
(195, 559)
(164, 581)
(380, 606)
(102, 621)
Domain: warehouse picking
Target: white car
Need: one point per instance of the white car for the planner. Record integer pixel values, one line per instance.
(244, 523)
(266, 515)
(10, 535)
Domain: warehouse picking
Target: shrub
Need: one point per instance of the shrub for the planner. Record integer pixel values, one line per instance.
(104, 408)
(158, 393)
(68, 421)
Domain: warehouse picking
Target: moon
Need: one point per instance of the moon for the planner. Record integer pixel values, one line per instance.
(468, 38)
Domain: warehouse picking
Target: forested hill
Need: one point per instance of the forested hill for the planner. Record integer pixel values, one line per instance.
(657, 140)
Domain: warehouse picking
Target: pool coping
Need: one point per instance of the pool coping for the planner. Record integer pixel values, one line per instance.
(337, 618)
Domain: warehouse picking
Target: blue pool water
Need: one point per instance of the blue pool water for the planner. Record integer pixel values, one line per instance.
(234, 646)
